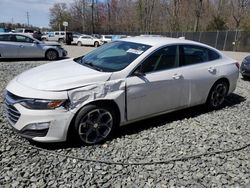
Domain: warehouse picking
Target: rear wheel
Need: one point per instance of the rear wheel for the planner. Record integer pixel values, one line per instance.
(217, 95)
(95, 124)
(79, 43)
(51, 55)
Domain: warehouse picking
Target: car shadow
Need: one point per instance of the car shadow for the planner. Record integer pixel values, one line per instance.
(135, 128)
(246, 79)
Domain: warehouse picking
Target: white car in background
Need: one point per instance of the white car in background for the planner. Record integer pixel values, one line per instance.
(75, 38)
(118, 83)
(88, 40)
(106, 38)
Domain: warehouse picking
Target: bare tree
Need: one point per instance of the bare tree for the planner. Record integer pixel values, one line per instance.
(240, 8)
(58, 14)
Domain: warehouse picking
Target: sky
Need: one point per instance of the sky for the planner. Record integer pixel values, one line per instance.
(16, 11)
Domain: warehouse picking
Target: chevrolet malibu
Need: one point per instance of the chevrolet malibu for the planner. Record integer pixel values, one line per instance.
(14, 45)
(121, 82)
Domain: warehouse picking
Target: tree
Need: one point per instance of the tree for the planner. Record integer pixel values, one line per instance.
(58, 14)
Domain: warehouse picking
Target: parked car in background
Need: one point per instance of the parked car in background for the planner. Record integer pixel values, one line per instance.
(3, 30)
(88, 40)
(75, 38)
(118, 83)
(23, 30)
(117, 37)
(245, 67)
(106, 38)
(58, 36)
(15, 45)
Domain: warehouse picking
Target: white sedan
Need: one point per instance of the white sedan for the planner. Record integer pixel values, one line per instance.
(88, 41)
(121, 82)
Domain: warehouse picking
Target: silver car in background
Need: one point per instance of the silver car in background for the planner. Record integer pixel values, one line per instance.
(13, 45)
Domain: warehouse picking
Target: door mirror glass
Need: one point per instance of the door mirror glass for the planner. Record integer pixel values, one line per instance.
(138, 73)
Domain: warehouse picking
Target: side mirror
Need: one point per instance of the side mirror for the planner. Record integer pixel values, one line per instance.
(138, 73)
(35, 42)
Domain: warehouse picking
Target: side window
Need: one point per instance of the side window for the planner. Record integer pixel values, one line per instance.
(212, 55)
(165, 58)
(191, 54)
(4, 38)
(56, 33)
(20, 38)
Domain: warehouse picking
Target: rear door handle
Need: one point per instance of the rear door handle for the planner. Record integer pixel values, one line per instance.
(211, 69)
(177, 76)
(21, 46)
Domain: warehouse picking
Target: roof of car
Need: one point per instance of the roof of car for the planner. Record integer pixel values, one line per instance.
(152, 41)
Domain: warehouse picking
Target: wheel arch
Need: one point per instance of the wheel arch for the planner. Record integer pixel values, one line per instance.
(218, 80)
(104, 102)
(48, 49)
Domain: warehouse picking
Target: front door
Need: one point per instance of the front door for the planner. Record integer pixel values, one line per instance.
(161, 88)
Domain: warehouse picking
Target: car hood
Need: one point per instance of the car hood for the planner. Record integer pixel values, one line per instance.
(60, 76)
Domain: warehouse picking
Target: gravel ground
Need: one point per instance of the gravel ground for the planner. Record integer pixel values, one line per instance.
(188, 148)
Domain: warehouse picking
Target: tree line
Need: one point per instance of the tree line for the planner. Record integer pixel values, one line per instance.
(151, 16)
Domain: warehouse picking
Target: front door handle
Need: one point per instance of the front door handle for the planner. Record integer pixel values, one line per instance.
(177, 76)
(21, 46)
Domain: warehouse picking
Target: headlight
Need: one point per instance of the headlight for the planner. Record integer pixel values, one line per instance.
(38, 104)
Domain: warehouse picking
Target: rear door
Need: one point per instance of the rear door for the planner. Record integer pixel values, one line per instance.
(8, 46)
(199, 67)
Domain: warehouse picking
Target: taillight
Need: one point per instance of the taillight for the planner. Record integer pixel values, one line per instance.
(237, 65)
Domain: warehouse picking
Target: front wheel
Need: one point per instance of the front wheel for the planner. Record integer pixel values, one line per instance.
(217, 95)
(95, 124)
(96, 44)
(79, 44)
(51, 55)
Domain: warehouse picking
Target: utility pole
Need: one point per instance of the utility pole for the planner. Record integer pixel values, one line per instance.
(92, 16)
(28, 18)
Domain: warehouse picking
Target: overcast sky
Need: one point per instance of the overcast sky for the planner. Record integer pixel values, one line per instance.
(16, 11)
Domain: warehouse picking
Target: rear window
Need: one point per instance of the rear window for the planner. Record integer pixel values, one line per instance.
(192, 54)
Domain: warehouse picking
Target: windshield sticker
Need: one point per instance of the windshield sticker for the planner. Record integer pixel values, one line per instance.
(134, 51)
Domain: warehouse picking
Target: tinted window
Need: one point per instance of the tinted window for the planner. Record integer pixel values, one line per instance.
(4, 37)
(20, 38)
(163, 59)
(212, 55)
(191, 54)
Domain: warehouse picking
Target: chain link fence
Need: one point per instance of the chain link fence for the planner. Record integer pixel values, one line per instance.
(222, 40)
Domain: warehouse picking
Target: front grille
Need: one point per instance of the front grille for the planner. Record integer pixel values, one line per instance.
(10, 112)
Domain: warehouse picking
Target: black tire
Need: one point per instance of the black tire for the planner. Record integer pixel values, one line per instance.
(95, 124)
(96, 44)
(217, 95)
(79, 43)
(51, 55)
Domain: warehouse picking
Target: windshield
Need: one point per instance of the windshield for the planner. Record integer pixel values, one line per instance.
(113, 56)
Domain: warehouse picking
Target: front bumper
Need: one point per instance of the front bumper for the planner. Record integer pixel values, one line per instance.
(58, 121)
(20, 118)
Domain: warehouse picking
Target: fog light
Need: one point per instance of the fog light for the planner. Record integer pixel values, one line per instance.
(37, 126)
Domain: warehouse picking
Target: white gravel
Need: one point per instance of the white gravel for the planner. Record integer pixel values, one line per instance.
(188, 148)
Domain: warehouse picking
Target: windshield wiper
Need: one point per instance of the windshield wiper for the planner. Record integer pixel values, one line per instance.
(91, 65)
